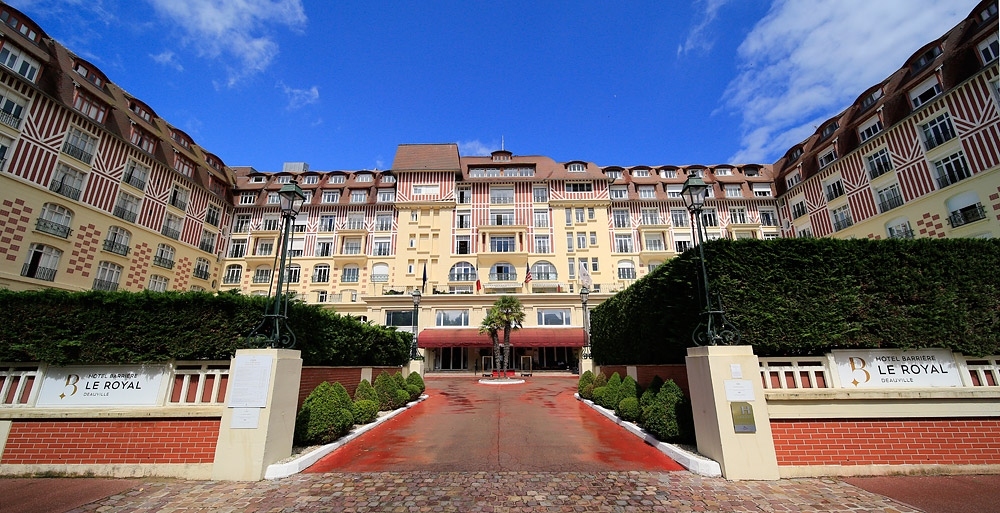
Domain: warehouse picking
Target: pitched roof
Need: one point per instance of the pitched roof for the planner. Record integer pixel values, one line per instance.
(426, 157)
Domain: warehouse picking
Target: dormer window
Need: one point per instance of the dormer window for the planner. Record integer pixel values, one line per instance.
(696, 173)
(925, 58)
(614, 174)
(19, 26)
(283, 179)
(363, 178)
(723, 171)
(827, 158)
(214, 162)
(869, 128)
(576, 168)
(795, 154)
(310, 180)
(142, 139)
(751, 171)
(183, 165)
(88, 106)
(140, 111)
(337, 179)
(988, 49)
(257, 179)
(828, 130)
(987, 13)
(16, 59)
(925, 92)
(501, 156)
(640, 173)
(388, 179)
(793, 179)
(871, 99)
(668, 173)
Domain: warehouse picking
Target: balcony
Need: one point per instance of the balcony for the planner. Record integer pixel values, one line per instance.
(66, 190)
(503, 276)
(890, 203)
(79, 154)
(163, 262)
(178, 203)
(840, 224)
(116, 247)
(936, 138)
(834, 193)
(545, 276)
(231, 279)
(135, 181)
(953, 176)
(652, 221)
(53, 228)
(207, 246)
(171, 232)
(124, 213)
(969, 214)
(351, 249)
(201, 274)
(901, 233)
(380, 278)
(383, 227)
(878, 168)
(38, 273)
(10, 120)
(353, 225)
(461, 276)
(262, 277)
(109, 286)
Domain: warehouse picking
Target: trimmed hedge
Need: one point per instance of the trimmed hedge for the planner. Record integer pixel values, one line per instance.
(586, 378)
(364, 411)
(415, 379)
(413, 391)
(385, 387)
(628, 409)
(668, 416)
(807, 296)
(63, 328)
(319, 412)
(365, 392)
(611, 394)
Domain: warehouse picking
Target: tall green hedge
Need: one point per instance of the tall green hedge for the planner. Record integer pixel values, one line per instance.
(62, 328)
(807, 296)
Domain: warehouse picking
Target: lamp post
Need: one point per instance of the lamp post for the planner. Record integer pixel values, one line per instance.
(713, 327)
(273, 330)
(413, 345)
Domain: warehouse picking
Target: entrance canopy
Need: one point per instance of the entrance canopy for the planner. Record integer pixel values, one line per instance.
(524, 337)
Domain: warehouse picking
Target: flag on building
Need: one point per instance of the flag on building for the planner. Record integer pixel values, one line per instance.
(479, 284)
(527, 274)
(585, 279)
(424, 284)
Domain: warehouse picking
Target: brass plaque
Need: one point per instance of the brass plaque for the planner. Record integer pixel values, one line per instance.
(743, 417)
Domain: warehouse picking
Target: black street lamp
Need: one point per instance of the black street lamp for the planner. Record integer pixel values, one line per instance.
(713, 328)
(273, 330)
(413, 345)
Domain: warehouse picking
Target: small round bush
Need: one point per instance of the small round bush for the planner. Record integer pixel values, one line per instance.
(312, 424)
(586, 378)
(415, 379)
(413, 391)
(588, 392)
(611, 396)
(364, 411)
(402, 397)
(341, 399)
(600, 380)
(661, 421)
(599, 394)
(647, 398)
(343, 421)
(365, 392)
(400, 380)
(628, 389)
(385, 388)
(628, 409)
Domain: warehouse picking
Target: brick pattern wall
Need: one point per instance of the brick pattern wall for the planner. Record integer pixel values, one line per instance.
(645, 374)
(313, 376)
(97, 442)
(967, 441)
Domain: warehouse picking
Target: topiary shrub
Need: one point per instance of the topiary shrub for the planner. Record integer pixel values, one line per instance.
(586, 378)
(626, 391)
(588, 392)
(341, 399)
(364, 411)
(400, 380)
(599, 394)
(402, 397)
(343, 421)
(611, 396)
(668, 417)
(628, 409)
(365, 392)
(647, 398)
(385, 388)
(312, 424)
(655, 384)
(413, 391)
(600, 380)
(415, 379)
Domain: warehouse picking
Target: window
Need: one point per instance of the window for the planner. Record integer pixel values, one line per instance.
(463, 220)
(262, 274)
(989, 49)
(581, 240)
(310, 179)
(964, 209)
(569, 216)
(674, 190)
(579, 215)
(938, 131)
(593, 265)
(201, 269)
(324, 248)
(136, 174)
(651, 216)
(108, 274)
(331, 196)
(542, 244)
(925, 92)
(723, 171)
(140, 111)
(654, 242)
(273, 198)
(248, 198)
(381, 247)
(452, 317)
(828, 130)
(842, 218)
(185, 141)
(925, 59)
(623, 243)
(127, 207)
(386, 195)
(768, 218)
(871, 99)
(869, 128)
(79, 145)
(899, 228)
(359, 196)
(387, 179)
(579, 187)
(293, 273)
(680, 218)
(399, 318)
(179, 197)
(212, 214)
(501, 194)
(620, 218)
(544, 271)
(681, 244)
(793, 179)
(572, 268)
(751, 171)
(591, 215)
(738, 215)
(553, 317)
(234, 273)
(426, 190)
(709, 217)
(164, 256)
(67, 181)
(145, 142)
(117, 240)
(696, 173)
(464, 195)
(238, 248)
(734, 191)
(879, 163)
(352, 246)
(270, 223)
(647, 192)
(264, 247)
(322, 296)
(355, 221)
(5, 143)
(17, 60)
(55, 220)
(11, 108)
(569, 242)
(668, 173)
(761, 190)
(889, 198)
(798, 210)
(619, 192)
(462, 271)
(42, 263)
(258, 179)
(503, 272)
(207, 243)
(502, 244)
(827, 158)
(380, 273)
(834, 189)
(383, 221)
(576, 168)
(951, 169)
(171, 226)
(350, 274)
(338, 179)
(502, 218)
(626, 270)
(363, 178)
(613, 174)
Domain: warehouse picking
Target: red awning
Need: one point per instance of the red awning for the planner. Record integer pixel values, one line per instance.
(524, 337)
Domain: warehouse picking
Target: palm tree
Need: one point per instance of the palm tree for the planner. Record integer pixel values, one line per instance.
(509, 314)
(491, 326)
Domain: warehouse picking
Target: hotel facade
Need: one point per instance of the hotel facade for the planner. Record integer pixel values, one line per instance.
(101, 193)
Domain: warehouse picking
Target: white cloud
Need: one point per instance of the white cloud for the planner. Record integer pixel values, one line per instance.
(697, 38)
(477, 148)
(299, 97)
(805, 61)
(235, 29)
(167, 58)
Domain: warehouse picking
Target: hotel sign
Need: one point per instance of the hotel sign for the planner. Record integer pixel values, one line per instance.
(894, 368)
(98, 386)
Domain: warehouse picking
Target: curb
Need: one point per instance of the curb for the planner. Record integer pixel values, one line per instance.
(695, 463)
(280, 470)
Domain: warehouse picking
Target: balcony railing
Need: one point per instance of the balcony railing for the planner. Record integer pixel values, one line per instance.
(123, 213)
(890, 203)
(117, 247)
(503, 276)
(380, 278)
(10, 120)
(66, 190)
(78, 153)
(353, 225)
(109, 286)
(207, 246)
(53, 228)
(231, 279)
(135, 181)
(545, 276)
(201, 274)
(163, 262)
(241, 227)
(967, 215)
(383, 227)
(938, 138)
(171, 232)
(461, 276)
(952, 177)
(840, 224)
(834, 193)
(178, 204)
(352, 249)
(878, 168)
(326, 227)
(262, 277)
(901, 233)
(38, 273)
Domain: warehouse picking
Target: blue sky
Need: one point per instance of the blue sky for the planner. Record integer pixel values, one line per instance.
(261, 82)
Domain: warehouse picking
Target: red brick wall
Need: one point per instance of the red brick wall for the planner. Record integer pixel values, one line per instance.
(968, 441)
(645, 373)
(347, 376)
(111, 441)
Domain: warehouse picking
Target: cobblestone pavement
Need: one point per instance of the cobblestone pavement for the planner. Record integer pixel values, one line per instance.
(498, 492)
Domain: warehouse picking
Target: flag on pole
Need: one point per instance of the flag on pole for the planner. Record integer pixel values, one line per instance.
(585, 279)
(479, 284)
(527, 275)
(424, 284)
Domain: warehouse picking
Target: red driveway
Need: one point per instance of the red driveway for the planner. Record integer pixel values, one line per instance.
(466, 426)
